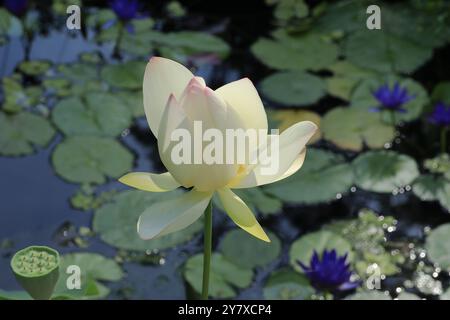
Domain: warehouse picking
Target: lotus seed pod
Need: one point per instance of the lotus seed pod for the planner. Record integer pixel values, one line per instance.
(34, 272)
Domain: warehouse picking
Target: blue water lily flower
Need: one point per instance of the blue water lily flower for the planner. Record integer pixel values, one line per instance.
(16, 7)
(125, 9)
(441, 115)
(331, 273)
(392, 99)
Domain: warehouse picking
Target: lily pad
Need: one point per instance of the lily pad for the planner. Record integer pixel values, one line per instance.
(437, 246)
(86, 159)
(286, 284)
(126, 75)
(16, 97)
(250, 252)
(79, 72)
(258, 200)
(343, 16)
(10, 26)
(302, 249)
(94, 269)
(441, 92)
(433, 188)
(225, 277)
(133, 100)
(345, 78)
(353, 128)
(286, 118)
(306, 52)
(362, 97)
(369, 295)
(22, 132)
(116, 222)
(96, 113)
(34, 67)
(323, 175)
(293, 88)
(384, 171)
(384, 52)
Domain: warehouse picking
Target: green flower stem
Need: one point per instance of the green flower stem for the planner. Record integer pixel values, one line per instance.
(116, 51)
(444, 131)
(393, 118)
(207, 250)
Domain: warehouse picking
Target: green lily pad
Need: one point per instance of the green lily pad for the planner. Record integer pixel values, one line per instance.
(34, 67)
(343, 16)
(441, 92)
(133, 100)
(86, 159)
(94, 268)
(22, 132)
(10, 26)
(362, 97)
(291, 9)
(384, 171)
(433, 188)
(250, 252)
(191, 42)
(369, 295)
(437, 246)
(307, 52)
(345, 78)
(293, 88)
(116, 222)
(323, 176)
(302, 249)
(16, 97)
(385, 51)
(286, 284)
(57, 86)
(78, 72)
(352, 128)
(96, 113)
(225, 277)
(126, 75)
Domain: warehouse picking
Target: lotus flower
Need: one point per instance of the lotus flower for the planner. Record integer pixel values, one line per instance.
(175, 99)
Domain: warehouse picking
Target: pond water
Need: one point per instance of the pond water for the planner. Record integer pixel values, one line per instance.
(36, 205)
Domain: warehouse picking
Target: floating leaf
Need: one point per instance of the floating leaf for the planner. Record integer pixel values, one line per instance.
(286, 118)
(133, 100)
(323, 176)
(88, 159)
(10, 26)
(250, 252)
(257, 200)
(126, 75)
(433, 188)
(362, 97)
(96, 113)
(79, 72)
(385, 51)
(343, 16)
(94, 268)
(345, 78)
(293, 88)
(34, 67)
(441, 92)
(369, 295)
(307, 52)
(116, 222)
(286, 284)
(437, 246)
(384, 171)
(16, 97)
(21, 132)
(302, 249)
(225, 277)
(352, 128)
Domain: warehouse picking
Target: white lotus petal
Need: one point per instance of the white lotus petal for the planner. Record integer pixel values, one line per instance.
(150, 181)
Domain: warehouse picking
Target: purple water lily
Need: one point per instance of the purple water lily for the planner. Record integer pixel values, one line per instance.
(392, 99)
(440, 115)
(125, 9)
(16, 7)
(331, 273)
